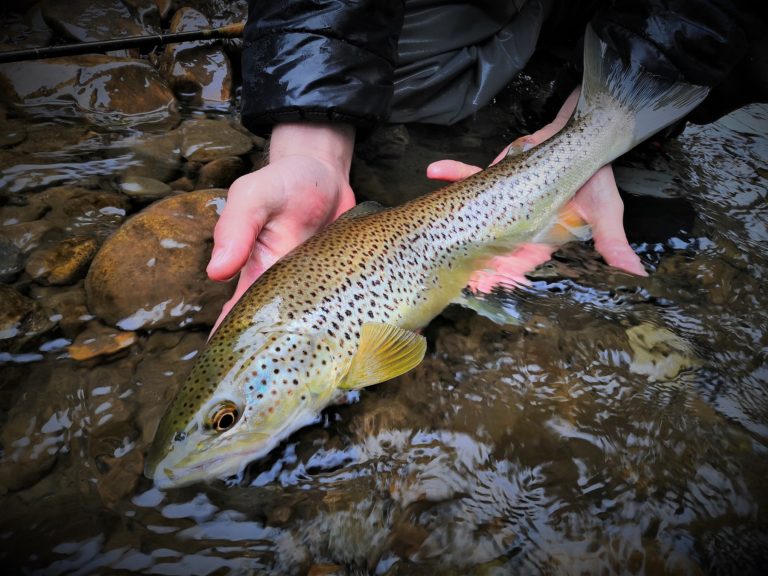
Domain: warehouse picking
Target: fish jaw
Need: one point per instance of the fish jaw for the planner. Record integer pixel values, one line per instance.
(272, 399)
(226, 458)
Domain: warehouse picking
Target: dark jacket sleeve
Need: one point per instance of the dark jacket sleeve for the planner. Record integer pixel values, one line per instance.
(713, 43)
(319, 60)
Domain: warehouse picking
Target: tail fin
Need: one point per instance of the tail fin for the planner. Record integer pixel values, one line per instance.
(653, 101)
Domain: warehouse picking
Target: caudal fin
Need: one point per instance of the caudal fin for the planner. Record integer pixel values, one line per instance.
(654, 102)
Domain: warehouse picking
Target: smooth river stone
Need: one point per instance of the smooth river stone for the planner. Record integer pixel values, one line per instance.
(151, 272)
(101, 89)
(206, 140)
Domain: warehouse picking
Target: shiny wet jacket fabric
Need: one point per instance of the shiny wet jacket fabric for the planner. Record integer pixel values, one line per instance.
(428, 61)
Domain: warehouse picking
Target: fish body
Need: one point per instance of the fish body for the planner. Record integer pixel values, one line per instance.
(340, 311)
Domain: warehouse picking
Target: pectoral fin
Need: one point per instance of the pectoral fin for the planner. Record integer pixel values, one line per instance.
(567, 227)
(385, 352)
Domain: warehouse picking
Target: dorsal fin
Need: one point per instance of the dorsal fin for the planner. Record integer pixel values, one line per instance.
(362, 209)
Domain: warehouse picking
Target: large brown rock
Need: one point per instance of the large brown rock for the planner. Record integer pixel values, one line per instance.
(151, 272)
(98, 88)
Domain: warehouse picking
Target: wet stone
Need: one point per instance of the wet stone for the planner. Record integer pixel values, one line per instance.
(26, 236)
(659, 353)
(141, 188)
(72, 210)
(220, 173)
(206, 140)
(99, 340)
(198, 72)
(67, 306)
(156, 156)
(21, 320)
(158, 383)
(24, 31)
(122, 477)
(11, 134)
(151, 272)
(11, 261)
(184, 184)
(93, 20)
(63, 263)
(94, 87)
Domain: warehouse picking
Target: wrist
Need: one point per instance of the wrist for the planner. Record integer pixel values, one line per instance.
(332, 143)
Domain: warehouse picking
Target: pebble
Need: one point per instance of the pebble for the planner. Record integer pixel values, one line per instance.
(99, 340)
(142, 188)
(63, 263)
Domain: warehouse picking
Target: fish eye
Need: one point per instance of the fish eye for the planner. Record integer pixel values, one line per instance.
(223, 417)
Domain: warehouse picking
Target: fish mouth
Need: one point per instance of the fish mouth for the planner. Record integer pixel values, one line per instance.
(179, 471)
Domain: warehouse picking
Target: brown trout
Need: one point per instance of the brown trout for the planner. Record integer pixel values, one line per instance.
(340, 311)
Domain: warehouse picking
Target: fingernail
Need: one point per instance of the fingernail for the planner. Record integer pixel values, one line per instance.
(218, 254)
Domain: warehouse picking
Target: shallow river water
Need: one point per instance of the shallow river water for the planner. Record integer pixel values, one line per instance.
(614, 425)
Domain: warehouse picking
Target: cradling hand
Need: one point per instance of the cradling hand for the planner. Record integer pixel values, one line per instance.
(269, 212)
(597, 202)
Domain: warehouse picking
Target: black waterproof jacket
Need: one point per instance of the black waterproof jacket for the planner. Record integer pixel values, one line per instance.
(370, 61)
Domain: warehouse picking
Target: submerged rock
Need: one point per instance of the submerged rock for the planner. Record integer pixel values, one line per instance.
(142, 188)
(206, 140)
(151, 273)
(74, 210)
(11, 261)
(11, 133)
(98, 88)
(63, 263)
(24, 31)
(67, 306)
(220, 173)
(198, 72)
(100, 340)
(21, 320)
(155, 155)
(659, 353)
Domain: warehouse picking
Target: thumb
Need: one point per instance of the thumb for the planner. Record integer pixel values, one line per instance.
(450, 170)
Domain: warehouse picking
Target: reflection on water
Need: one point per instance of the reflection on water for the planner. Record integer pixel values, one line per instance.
(620, 424)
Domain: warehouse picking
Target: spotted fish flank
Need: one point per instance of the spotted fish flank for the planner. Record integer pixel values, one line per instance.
(340, 311)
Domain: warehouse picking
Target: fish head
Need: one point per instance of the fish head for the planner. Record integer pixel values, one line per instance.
(239, 402)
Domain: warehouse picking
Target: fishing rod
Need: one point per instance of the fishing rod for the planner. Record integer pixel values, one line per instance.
(149, 41)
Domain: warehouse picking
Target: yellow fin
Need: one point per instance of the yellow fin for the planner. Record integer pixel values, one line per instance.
(385, 352)
(567, 227)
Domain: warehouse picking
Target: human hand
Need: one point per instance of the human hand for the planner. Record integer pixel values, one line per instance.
(270, 211)
(597, 202)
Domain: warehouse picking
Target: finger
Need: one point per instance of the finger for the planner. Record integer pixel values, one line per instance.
(234, 236)
(563, 115)
(600, 204)
(450, 170)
